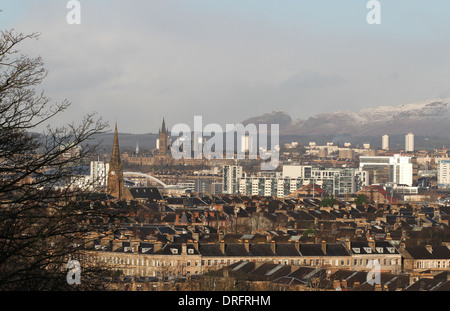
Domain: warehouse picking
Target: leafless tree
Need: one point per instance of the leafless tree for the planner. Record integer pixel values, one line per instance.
(42, 218)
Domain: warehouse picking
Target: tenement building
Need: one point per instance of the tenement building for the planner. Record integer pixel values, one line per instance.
(155, 259)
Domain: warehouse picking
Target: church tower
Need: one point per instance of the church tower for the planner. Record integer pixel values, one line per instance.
(163, 139)
(115, 175)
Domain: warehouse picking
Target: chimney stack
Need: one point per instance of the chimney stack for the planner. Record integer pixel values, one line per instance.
(347, 244)
(195, 244)
(183, 248)
(297, 245)
(247, 245)
(222, 246)
(136, 247)
(273, 246)
(324, 247)
(371, 243)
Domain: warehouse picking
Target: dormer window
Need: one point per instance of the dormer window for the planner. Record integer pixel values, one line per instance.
(368, 250)
(391, 250)
(191, 251)
(356, 250)
(174, 251)
(379, 250)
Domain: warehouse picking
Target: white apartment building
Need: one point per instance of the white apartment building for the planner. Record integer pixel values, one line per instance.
(443, 175)
(396, 169)
(336, 181)
(409, 142)
(231, 176)
(385, 142)
(99, 173)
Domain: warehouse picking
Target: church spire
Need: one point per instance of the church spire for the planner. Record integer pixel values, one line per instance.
(115, 156)
(163, 127)
(115, 175)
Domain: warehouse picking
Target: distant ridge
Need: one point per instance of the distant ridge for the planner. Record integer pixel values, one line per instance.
(428, 118)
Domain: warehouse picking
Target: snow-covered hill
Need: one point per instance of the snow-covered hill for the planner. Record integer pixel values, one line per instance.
(431, 117)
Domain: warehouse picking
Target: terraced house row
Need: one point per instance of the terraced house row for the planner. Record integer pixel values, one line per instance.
(153, 259)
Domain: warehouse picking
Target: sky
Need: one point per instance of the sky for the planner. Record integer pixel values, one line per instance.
(136, 62)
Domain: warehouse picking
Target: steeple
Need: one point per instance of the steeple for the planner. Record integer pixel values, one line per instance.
(163, 139)
(115, 156)
(115, 175)
(163, 127)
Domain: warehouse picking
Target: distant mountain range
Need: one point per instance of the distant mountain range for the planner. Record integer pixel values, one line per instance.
(429, 121)
(429, 118)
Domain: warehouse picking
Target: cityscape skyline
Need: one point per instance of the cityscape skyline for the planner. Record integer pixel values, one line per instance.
(289, 147)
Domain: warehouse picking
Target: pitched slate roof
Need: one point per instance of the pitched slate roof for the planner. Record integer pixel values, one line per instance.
(209, 249)
(429, 285)
(151, 194)
(167, 249)
(287, 250)
(381, 247)
(301, 275)
(421, 252)
(268, 272)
